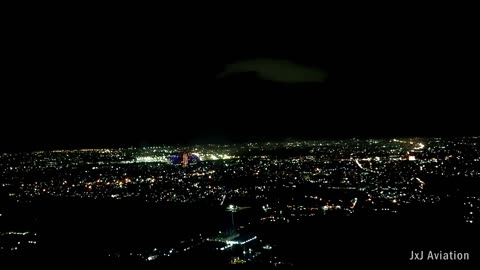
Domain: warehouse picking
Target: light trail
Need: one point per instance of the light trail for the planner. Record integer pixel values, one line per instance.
(223, 199)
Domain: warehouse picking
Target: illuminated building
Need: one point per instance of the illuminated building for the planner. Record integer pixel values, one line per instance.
(185, 160)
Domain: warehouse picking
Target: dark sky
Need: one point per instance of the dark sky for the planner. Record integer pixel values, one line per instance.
(112, 85)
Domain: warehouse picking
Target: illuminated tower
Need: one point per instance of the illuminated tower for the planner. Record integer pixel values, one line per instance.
(231, 208)
(185, 160)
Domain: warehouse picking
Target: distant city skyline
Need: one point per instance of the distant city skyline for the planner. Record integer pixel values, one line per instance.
(240, 203)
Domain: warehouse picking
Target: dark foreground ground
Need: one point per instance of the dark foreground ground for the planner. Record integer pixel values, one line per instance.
(84, 233)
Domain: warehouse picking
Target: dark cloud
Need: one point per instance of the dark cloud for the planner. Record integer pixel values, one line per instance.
(276, 70)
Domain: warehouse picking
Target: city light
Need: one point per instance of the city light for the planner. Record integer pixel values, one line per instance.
(256, 184)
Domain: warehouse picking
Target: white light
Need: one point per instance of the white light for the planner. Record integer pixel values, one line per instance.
(151, 258)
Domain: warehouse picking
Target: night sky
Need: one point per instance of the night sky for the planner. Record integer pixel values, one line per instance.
(109, 85)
